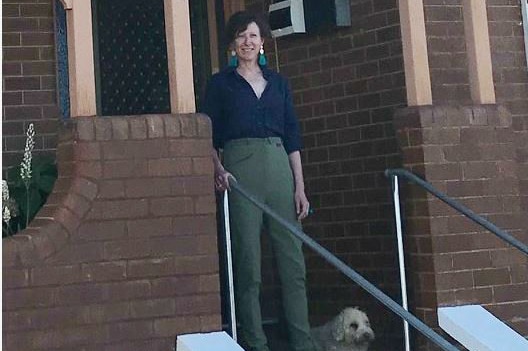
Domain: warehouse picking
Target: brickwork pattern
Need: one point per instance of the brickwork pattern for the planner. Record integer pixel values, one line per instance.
(510, 76)
(449, 67)
(123, 256)
(29, 77)
(346, 85)
(446, 45)
(467, 153)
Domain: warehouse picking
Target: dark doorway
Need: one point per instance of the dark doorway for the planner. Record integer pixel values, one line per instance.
(200, 48)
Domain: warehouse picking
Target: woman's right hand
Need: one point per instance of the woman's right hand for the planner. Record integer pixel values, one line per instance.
(221, 179)
(221, 176)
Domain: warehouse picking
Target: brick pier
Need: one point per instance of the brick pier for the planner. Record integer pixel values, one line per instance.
(123, 256)
(467, 153)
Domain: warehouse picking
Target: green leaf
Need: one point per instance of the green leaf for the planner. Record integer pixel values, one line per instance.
(44, 165)
(46, 183)
(18, 193)
(30, 204)
(13, 177)
(44, 174)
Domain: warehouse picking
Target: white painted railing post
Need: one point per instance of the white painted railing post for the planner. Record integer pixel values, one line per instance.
(403, 279)
(230, 267)
(524, 10)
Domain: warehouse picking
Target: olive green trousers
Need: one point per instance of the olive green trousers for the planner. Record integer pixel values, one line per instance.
(261, 166)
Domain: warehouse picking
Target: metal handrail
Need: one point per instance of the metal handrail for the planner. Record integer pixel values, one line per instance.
(457, 206)
(349, 272)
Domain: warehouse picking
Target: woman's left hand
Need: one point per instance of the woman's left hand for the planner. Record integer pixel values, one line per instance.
(302, 206)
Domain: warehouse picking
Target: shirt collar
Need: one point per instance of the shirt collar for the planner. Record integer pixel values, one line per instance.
(266, 72)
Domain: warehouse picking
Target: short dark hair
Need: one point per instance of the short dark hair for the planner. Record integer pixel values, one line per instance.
(239, 22)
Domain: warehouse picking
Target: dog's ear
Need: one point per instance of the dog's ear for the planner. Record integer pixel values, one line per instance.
(338, 327)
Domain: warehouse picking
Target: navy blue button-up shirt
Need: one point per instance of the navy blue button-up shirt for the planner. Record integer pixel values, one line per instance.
(236, 112)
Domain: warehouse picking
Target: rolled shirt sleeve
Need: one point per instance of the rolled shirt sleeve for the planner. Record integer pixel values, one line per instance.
(292, 132)
(213, 108)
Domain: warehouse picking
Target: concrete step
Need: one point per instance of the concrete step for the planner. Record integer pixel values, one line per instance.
(479, 330)
(217, 341)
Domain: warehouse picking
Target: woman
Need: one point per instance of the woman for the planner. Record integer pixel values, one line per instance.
(254, 123)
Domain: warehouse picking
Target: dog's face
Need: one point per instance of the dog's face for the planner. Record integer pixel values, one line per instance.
(352, 326)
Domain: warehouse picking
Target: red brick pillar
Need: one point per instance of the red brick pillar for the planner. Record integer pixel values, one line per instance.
(467, 153)
(28, 78)
(123, 256)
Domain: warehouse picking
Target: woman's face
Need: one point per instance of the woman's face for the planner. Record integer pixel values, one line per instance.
(247, 43)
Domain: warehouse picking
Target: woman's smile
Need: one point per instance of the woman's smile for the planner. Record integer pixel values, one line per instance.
(248, 43)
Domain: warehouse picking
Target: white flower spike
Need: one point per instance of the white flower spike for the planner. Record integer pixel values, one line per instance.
(25, 167)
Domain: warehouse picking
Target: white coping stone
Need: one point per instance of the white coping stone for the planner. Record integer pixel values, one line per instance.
(479, 330)
(215, 341)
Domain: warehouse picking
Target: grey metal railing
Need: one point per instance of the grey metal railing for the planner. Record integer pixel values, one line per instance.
(349, 272)
(399, 172)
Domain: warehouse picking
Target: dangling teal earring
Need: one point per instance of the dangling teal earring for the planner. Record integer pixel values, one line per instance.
(262, 58)
(233, 61)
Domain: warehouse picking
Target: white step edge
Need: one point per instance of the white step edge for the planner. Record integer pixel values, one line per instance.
(217, 341)
(479, 330)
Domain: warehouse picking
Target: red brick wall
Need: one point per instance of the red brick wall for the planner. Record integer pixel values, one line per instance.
(510, 75)
(449, 67)
(123, 256)
(346, 85)
(446, 47)
(468, 154)
(29, 83)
